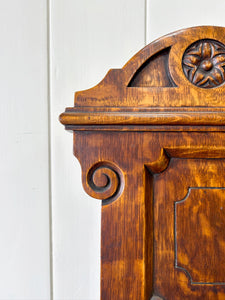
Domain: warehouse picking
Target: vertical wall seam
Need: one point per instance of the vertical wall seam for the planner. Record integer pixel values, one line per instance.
(145, 29)
(48, 36)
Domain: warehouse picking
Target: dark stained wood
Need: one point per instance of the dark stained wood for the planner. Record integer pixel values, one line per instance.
(150, 139)
(148, 76)
(203, 63)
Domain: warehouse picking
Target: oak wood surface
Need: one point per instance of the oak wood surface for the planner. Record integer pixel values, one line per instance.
(150, 141)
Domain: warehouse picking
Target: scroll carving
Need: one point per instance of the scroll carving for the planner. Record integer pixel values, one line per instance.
(204, 63)
(105, 181)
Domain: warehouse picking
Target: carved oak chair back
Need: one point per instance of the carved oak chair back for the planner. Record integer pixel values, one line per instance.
(150, 139)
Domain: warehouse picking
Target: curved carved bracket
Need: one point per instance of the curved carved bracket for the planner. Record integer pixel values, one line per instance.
(161, 163)
(104, 181)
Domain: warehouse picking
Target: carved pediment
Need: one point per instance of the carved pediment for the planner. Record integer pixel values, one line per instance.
(170, 81)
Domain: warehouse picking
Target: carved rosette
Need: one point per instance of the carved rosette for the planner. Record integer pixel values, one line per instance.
(204, 63)
(105, 181)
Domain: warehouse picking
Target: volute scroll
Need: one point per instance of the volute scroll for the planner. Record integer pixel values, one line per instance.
(104, 181)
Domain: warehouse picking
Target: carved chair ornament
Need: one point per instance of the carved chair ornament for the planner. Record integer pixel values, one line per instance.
(150, 138)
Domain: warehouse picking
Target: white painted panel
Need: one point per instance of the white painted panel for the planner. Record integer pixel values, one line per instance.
(87, 38)
(165, 16)
(24, 202)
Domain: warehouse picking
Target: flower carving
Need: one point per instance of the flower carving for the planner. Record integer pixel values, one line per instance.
(204, 63)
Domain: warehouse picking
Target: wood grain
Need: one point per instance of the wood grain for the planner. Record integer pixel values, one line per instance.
(154, 152)
(199, 239)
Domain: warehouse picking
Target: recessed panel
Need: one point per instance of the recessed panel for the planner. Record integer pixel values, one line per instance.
(200, 235)
(189, 230)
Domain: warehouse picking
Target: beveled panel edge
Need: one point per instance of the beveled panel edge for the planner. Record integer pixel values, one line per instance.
(188, 272)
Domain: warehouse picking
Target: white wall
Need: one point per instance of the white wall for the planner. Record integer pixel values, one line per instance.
(165, 16)
(49, 49)
(24, 165)
(87, 38)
